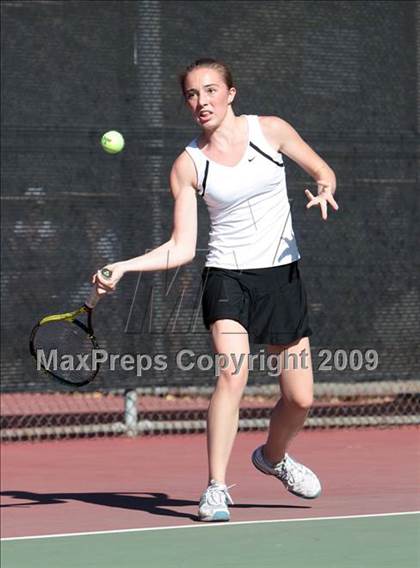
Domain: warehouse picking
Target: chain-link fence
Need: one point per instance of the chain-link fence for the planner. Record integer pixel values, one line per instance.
(180, 411)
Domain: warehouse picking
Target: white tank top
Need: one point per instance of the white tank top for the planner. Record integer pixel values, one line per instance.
(250, 216)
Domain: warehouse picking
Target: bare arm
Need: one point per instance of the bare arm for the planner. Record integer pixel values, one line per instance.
(180, 248)
(284, 138)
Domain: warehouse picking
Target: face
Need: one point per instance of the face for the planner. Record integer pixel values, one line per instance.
(207, 96)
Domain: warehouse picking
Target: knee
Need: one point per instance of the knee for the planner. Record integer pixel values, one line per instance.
(302, 401)
(233, 382)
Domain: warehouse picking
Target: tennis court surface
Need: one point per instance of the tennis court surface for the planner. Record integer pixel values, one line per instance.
(133, 502)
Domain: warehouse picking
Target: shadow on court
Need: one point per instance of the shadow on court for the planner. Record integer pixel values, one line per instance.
(115, 484)
(153, 503)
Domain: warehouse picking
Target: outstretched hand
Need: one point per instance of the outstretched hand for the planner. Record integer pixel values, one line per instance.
(325, 196)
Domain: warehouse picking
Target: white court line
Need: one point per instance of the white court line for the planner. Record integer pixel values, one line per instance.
(212, 525)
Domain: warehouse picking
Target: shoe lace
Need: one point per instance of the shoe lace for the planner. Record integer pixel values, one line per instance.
(217, 494)
(290, 471)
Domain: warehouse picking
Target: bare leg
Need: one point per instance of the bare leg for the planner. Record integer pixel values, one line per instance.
(231, 339)
(296, 383)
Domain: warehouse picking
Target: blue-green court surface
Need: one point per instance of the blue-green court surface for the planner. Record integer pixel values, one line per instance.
(383, 541)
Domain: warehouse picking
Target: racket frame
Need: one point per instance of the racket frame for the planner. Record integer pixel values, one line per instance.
(71, 318)
(87, 308)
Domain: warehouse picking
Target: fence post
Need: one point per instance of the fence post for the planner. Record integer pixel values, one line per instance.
(130, 412)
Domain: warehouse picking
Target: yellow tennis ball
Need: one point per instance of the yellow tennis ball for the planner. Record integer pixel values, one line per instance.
(112, 142)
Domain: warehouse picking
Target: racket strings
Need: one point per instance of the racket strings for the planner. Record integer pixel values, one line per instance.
(65, 350)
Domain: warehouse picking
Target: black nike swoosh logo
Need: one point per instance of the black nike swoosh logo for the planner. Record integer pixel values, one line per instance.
(250, 159)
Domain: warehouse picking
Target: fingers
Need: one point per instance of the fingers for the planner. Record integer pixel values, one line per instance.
(325, 189)
(323, 198)
(104, 281)
(101, 291)
(322, 204)
(332, 201)
(309, 195)
(312, 199)
(324, 211)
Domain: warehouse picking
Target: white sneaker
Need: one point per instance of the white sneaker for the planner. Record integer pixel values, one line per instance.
(297, 478)
(214, 503)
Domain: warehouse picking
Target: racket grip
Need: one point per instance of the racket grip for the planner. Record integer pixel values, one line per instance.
(94, 297)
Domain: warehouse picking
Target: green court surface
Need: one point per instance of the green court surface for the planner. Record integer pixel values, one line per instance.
(390, 541)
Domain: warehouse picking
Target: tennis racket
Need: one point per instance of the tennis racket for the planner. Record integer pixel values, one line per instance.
(64, 345)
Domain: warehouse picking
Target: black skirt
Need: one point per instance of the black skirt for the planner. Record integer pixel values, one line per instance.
(270, 303)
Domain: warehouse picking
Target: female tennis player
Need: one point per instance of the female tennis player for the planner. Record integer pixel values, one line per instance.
(252, 289)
